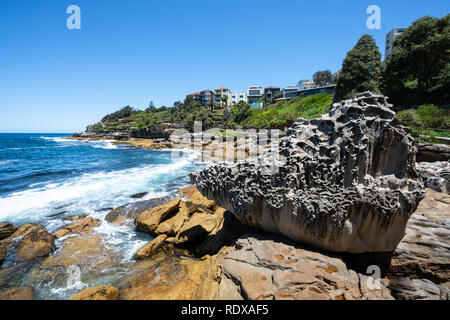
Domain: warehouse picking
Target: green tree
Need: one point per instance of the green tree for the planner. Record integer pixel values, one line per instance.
(418, 70)
(322, 78)
(361, 70)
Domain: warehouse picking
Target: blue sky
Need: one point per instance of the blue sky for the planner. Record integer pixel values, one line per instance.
(132, 52)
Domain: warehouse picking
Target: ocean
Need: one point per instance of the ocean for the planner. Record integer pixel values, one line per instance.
(44, 177)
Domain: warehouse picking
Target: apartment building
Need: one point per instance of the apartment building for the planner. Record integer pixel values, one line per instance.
(290, 92)
(390, 37)
(254, 94)
(270, 92)
(220, 94)
(306, 84)
(238, 96)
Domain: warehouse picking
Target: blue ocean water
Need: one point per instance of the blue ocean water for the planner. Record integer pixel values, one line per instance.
(42, 173)
(44, 177)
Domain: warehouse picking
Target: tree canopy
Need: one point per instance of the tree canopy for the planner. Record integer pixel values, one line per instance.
(361, 70)
(322, 78)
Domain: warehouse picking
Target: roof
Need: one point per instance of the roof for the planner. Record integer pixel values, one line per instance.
(272, 88)
(223, 88)
(194, 94)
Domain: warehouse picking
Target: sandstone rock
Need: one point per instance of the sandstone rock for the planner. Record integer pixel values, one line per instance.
(267, 268)
(11, 274)
(133, 209)
(433, 152)
(36, 245)
(77, 227)
(435, 175)
(150, 248)
(23, 293)
(26, 229)
(97, 293)
(5, 245)
(346, 181)
(188, 192)
(6, 229)
(197, 228)
(424, 253)
(416, 289)
(174, 224)
(149, 220)
(75, 217)
(200, 201)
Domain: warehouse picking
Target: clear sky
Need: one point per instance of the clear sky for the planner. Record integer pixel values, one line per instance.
(131, 52)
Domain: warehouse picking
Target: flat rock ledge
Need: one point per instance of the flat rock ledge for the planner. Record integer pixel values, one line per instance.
(346, 182)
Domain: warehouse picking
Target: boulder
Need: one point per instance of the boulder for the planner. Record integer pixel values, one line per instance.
(22, 293)
(271, 268)
(26, 229)
(433, 152)
(174, 224)
(138, 195)
(132, 210)
(6, 229)
(417, 289)
(198, 200)
(77, 227)
(35, 245)
(435, 175)
(345, 182)
(149, 220)
(424, 253)
(5, 245)
(196, 228)
(150, 248)
(97, 293)
(75, 217)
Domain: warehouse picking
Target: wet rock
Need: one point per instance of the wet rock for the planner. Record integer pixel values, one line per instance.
(150, 248)
(436, 175)
(188, 191)
(35, 245)
(6, 229)
(271, 268)
(26, 229)
(131, 210)
(149, 220)
(416, 289)
(75, 217)
(97, 293)
(22, 293)
(139, 195)
(5, 246)
(346, 182)
(77, 227)
(13, 274)
(424, 253)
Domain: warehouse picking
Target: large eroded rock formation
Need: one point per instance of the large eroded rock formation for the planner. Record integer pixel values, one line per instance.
(346, 181)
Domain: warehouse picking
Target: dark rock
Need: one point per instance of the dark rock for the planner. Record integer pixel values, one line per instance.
(139, 195)
(433, 153)
(6, 229)
(416, 289)
(346, 181)
(5, 245)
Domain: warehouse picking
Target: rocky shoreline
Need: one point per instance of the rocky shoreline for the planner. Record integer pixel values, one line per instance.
(349, 215)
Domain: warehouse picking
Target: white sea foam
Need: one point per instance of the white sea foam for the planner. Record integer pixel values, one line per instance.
(89, 192)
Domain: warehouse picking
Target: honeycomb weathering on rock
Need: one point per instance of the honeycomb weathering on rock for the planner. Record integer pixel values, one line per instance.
(346, 181)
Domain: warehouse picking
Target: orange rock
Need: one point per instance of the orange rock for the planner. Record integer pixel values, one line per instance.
(97, 293)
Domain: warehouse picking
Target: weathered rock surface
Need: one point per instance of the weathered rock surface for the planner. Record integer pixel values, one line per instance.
(23, 293)
(435, 175)
(424, 253)
(5, 245)
(346, 181)
(75, 217)
(417, 289)
(150, 248)
(6, 229)
(77, 227)
(131, 210)
(138, 195)
(97, 293)
(433, 152)
(269, 268)
(26, 229)
(36, 245)
(149, 220)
